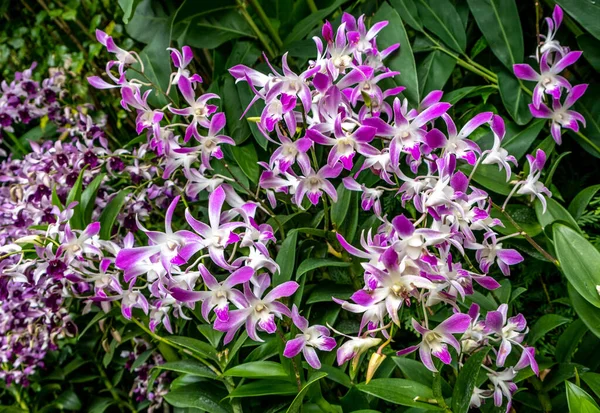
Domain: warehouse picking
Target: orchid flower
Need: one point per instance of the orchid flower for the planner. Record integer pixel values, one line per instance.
(498, 155)
(435, 341)
(181, 60)
(198, 108)
(532, 186)
(316, 336)
(313, 184)
(256, 311)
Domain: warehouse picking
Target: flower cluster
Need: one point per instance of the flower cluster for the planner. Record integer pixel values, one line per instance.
(548, 99)
(142, 389)
(24, 100)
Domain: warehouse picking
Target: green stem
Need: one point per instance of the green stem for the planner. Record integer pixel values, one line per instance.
(312, 6)
(255, 29)
(267, 23)
(111, 389)
(437, 392)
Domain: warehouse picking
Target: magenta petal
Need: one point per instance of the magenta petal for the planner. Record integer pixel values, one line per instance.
(403, 226)
(188, 296)
(443, 354)
(457, 323)
(494, 321)
(283, 290)
(525, 72)
(435, 139)
(294, 347)
(310, 354)
(239, 276)
(509, 256)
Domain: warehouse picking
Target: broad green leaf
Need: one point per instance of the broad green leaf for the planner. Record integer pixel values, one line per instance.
(456, 95)
(586, 13)
(593, 381)
(286, 258)
(109, 214)
(349, 226)
(74, 195)
(238, 130)
(550, 173)
(310, 264)
(88, 199)
(213, 336)
(408, 12)
(257, 369)
(466, 382)
(543, 325)
(559, 373)
(523, 215)
(582, 199)
(579, 261)
(334, 374)
(402, 60)
(128, 7)
(441, 18)
(339, 209)
(196, 346)
(325, 290)
(188, 366)
(264, 388)
(99, 405)
(56, 199)
(415, 370)
(588, 313)
(490, 177)
(141, 359)
(305, 26)
(296, 405)
(569, 341)
(247, 160)
(197, 396)
(243, 53)
(210, 30)
(400, 391)
(147, 14)
(591, 50)
(589, 107)
(499, 22)
(515, 100)
(68, 400)
(519, 143)
(579, 401)
(554, 212)
(434, 71)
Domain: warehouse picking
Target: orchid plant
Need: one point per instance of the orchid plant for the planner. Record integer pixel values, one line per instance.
(209, 249)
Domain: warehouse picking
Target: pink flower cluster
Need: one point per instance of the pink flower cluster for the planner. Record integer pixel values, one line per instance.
(548, 100)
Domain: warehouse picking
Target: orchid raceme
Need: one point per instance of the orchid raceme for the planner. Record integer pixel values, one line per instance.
(249, 212)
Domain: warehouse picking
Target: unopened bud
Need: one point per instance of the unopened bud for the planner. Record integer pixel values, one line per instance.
(105, 345)
(30, 239)
(116, 335)
(374, 363)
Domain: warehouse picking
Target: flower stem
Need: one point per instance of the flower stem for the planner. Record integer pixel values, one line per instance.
(255, 29)
(266, 22)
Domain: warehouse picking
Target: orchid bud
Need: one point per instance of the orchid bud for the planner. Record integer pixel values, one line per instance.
(374, 363)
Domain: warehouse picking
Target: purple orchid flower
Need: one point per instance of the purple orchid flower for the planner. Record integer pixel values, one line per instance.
(491, 251)
(256, 311)
(435, 341)
(548, 80)
(560, 114)
(346, 143)
(219, 295)
(168, 246)
(181, 60)
(217, 235)
(531, 185)
(124, 58)
(498, 155)
(316, 336)
(198, 108)
(313, 184)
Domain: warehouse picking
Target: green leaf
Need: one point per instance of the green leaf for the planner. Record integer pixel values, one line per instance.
(589, 107)
(402, 60)
(569, 341)
(128, 7)
(88, 199)
(586, 13)
(415, 370)
(490, 177)
(434, 71)
(593, 381)
(264, 388)
(243, 53)
(579, 261)
(210, 30)
(499, 22)
(141, 359)
(456, 95)
(310, 264)
(408, 12)
(99, 405)
(513, 97)
(334, 374)
(519, 143)
(349, 226)
(400, 391)
(296, 405)
(441, 18)
(68, 401)
(523, 215)
(74, 195)
(339, 209)
(239, 131)
(109, 214)
(56, 199)
(589, 314)
(286, 258)
(554, 212)
(323, 292)
(197, 396)
(188, 366)
(257, 369)
(579, 401)
(196, 346)
(305, 26)
(582, 199)
(147, 13)
(591, 50)
(247, 160)
(543, 325)
(466, 382)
